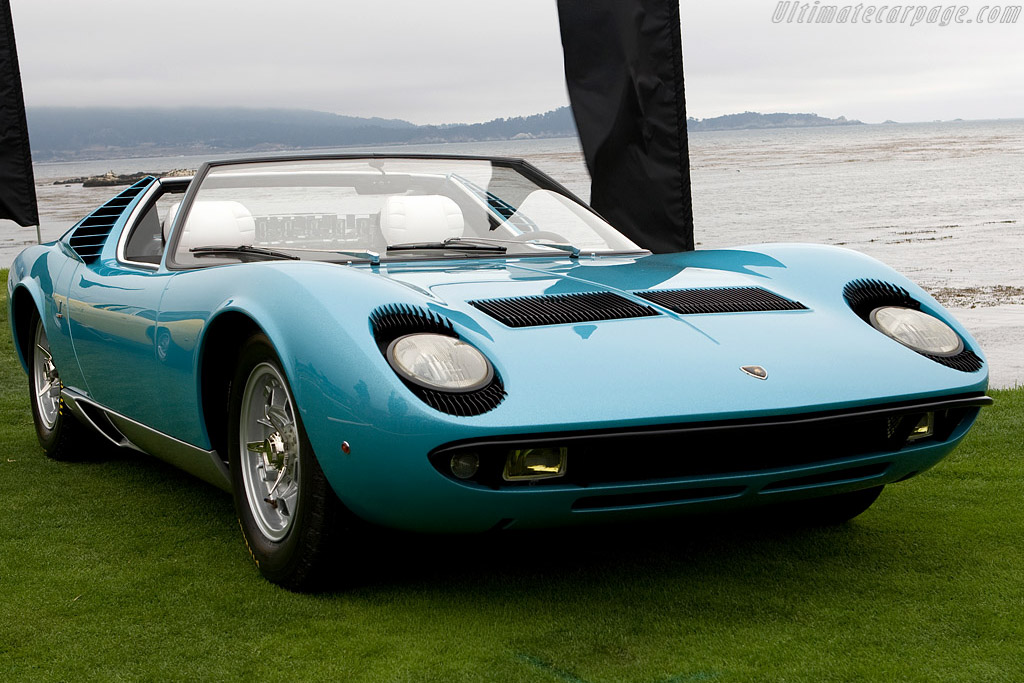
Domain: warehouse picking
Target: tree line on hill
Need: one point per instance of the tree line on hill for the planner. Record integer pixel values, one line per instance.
(69, 133)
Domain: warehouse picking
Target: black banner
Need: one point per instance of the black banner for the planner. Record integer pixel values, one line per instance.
(17, 184)
(624, 69)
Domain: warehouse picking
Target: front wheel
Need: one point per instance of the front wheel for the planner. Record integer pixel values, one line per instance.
(60, 434)
(286, 508)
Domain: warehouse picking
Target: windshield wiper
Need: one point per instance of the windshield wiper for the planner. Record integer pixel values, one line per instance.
(242, 249)
(574, 251)
(452, 244)
(371, 256)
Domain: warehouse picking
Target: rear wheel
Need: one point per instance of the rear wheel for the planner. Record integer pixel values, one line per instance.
(60, 434)
(286, 508)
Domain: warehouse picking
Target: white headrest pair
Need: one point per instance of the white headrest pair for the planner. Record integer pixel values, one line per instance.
(212, 224)
(420, 218)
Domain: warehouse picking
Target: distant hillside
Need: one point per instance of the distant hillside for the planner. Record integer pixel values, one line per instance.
(751, 120)
(64, 133)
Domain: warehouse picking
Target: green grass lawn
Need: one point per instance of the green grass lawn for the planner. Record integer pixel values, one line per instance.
(126, 569)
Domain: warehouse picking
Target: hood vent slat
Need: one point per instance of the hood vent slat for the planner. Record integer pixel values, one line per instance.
(562, 309)
(720, 300)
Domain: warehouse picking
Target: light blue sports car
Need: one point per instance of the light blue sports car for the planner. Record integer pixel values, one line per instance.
(455, 344)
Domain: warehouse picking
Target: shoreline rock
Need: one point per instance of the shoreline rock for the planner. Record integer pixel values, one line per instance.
(111, 179)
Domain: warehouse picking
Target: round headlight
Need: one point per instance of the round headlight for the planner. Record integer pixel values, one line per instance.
(439, 362)
(922, 332)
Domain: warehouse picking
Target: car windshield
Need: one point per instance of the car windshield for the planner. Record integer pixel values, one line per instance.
(384, 208)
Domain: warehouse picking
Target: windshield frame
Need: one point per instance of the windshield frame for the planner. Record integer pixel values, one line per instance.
(525, 168)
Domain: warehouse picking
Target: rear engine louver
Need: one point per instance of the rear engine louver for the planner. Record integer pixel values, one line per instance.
(388, 323)
(864, 296)
(721, 300)
(89, 235)
(560, 309)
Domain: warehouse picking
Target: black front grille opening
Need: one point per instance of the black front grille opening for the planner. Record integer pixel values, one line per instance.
(720, 300)
(390, 322)
(628, 500)
(716, 451)
(561, 309)
(832, 477)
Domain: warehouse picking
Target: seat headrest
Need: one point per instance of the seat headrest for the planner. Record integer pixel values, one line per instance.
(216, 223)
(169, 220)
(420, 218)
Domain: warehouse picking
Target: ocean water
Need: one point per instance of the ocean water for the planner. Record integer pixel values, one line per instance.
(941, 202)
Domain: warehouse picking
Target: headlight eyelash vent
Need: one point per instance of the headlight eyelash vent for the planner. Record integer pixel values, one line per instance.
(864, 296)
(390, 322)
(397, 320)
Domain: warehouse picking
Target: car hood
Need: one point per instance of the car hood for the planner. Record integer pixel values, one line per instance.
(688, 367)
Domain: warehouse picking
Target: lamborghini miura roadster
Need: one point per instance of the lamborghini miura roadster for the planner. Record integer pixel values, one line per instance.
(456, 344)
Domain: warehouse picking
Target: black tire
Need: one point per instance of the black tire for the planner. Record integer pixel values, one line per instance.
(830, 510)
(60, 434)
(298, 556)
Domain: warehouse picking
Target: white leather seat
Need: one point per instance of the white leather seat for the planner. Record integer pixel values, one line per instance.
(214, 224)
(420, 218)
(169, 220)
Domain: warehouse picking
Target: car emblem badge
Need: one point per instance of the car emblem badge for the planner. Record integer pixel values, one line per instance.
(755, 371)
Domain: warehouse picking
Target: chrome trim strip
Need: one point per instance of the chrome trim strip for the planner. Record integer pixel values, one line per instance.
(133, 217)
(207, 465)
(72, 399)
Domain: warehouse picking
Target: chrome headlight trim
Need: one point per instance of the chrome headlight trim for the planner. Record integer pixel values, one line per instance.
(917, 330)
(439, 362)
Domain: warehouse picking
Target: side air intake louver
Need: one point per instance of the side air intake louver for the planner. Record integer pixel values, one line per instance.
(89, 235)
(559, 309)
(864, 296)
(721, 300)
(388, 323)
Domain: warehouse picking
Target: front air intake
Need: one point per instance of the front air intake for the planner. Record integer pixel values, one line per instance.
(562, 309)
(720, 300)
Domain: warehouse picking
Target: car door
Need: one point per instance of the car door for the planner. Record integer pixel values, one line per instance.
(112, 304)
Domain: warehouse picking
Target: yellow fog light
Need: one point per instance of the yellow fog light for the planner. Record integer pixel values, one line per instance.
(535, 463)
(924, 428)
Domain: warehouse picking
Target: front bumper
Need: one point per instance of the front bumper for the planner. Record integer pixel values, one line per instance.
(701, 467)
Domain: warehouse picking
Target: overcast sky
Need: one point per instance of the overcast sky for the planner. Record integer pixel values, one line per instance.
(442, 61)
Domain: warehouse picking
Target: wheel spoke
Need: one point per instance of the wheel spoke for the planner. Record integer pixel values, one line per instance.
(257, 447)
(278, 417)
(277, 482)
(44, 390)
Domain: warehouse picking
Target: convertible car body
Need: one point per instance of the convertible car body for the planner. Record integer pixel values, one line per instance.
(455, 344)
